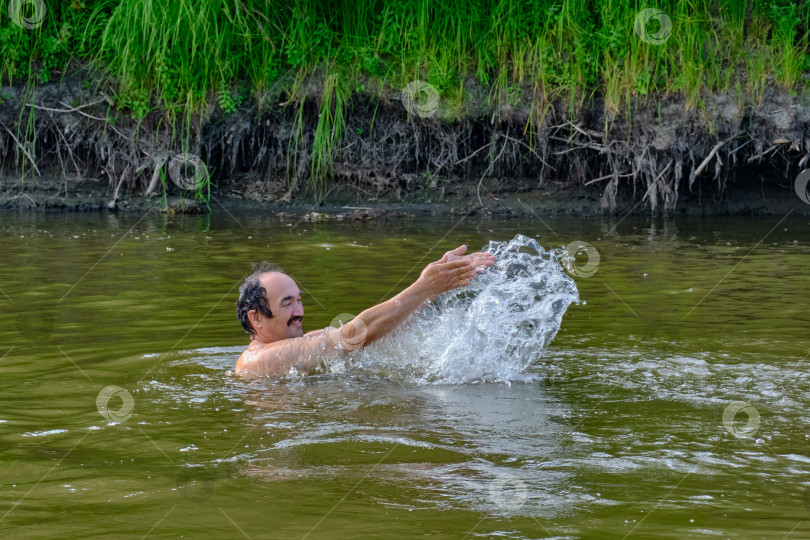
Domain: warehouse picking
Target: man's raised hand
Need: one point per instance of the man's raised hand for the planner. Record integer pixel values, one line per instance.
(479, 260)
(439, 277)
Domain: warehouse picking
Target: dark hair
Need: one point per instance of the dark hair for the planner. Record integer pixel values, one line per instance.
(253, 296)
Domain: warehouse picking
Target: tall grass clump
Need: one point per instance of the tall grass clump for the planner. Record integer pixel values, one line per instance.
(184, 55)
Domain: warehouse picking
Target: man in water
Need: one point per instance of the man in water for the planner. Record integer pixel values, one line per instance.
(271, 311)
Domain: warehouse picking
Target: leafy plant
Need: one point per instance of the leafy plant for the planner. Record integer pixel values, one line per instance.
(226, 101)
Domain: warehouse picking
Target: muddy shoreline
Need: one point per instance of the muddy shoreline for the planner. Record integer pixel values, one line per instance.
(750, 199)
(73, 150)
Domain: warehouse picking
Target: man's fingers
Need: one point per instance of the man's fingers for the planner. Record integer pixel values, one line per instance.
(464, 278)
(453, 254)
(483, 256)
(461, 272)
(463, 281)
(458, 263)
(462, 269)
(467, 268)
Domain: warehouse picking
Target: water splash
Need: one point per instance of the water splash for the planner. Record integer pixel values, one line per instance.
(491, 330)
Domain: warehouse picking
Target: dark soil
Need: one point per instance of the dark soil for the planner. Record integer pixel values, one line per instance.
(74, 151)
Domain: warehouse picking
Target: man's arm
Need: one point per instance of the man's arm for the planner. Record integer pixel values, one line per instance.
(307, 352)
(377, 321)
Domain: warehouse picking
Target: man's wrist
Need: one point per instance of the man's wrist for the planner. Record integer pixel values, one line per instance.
(420, 290)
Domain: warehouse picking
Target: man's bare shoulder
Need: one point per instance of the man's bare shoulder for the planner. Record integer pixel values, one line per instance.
(262, 359)
(248, 358)
(279, 357)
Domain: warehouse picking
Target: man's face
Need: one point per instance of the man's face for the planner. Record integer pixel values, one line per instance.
(284, 297)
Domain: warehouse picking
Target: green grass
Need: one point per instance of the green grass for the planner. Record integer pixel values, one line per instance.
(182, 55)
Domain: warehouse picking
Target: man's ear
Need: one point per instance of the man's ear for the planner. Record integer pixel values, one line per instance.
(254, 317)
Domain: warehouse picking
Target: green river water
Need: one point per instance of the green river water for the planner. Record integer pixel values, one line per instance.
(616, 430)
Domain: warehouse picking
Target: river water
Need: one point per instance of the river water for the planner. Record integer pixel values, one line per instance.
(672, 403)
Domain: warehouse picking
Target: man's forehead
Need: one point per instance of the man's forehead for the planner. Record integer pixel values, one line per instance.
(278, 285)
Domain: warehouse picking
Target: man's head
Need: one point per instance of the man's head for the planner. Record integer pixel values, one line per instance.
(269, 305)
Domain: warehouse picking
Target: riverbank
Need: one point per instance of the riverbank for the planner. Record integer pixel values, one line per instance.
(703, 109)
(730, 158)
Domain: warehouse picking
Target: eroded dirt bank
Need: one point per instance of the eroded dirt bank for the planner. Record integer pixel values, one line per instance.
(65, 147)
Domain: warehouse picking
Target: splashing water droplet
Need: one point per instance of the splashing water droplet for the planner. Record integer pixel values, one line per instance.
(492, 330)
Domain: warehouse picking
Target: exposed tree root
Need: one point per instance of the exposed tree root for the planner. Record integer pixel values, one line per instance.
(386, 153)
